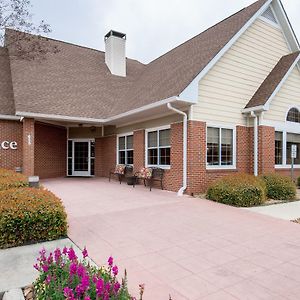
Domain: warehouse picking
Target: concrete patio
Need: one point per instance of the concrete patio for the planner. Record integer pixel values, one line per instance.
(188, 248)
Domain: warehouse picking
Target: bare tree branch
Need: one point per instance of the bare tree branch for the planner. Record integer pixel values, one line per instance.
(24, 40)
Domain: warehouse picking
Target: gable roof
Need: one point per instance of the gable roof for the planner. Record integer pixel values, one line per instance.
(76, 81)
(273, 80)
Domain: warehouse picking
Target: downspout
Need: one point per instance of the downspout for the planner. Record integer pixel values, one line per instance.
(185, 120)
(255, 142)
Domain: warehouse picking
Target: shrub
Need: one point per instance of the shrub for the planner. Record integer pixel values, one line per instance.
(63, 276)
(239, 190)
(30, 215)
(10, 179)
(298, 181)
(279, 187)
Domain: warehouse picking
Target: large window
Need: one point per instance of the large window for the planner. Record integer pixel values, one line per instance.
(158, 147)
(125, 149)
(278, 148)
(292, 139)
(220, 146)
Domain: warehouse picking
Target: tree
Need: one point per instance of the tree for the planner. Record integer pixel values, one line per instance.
(20, 34)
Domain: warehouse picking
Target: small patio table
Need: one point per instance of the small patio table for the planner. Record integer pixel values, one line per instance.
(132, 180)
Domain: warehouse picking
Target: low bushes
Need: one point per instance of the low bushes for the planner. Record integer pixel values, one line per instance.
(30, 215)
(63, 276)
(238, 190)
(10, 179)
(279, 187)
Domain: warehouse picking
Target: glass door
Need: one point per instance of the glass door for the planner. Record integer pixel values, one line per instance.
(81, 157)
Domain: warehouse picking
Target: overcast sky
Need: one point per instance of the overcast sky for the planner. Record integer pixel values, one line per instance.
(152, 27)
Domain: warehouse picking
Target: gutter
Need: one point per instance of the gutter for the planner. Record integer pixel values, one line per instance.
(10, 118)
(184, 180)
(255, 152)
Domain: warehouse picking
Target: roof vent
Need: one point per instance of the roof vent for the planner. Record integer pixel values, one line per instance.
(115, 56)
(268, 14)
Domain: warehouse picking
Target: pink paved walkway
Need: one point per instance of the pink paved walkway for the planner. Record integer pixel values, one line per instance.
(189, 248)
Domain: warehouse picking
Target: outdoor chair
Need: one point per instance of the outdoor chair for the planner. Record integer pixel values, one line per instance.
(121, 171)
(150, 175)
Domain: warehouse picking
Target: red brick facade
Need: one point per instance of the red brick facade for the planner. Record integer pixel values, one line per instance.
(50, 151)
(11, 131)
(42, 151)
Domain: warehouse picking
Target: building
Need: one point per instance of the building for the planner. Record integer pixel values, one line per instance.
(225, 101)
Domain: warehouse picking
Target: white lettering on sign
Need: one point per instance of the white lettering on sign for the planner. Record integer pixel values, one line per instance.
(294, 151)
(6, 145)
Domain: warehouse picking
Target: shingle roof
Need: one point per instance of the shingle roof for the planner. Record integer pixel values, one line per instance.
(271, 82)
(6, 90)
(76, 81)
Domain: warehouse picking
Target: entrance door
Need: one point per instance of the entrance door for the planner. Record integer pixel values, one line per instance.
(81, 157)
(81, 164)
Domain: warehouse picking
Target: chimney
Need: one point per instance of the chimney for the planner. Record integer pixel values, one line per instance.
(115, 57)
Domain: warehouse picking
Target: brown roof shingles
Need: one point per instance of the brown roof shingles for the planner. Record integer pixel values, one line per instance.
(6, 89)
(76, 81)
(271, 82)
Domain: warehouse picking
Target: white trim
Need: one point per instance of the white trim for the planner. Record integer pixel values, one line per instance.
(193, 95)
(10, 117)
(58, 117)
(277, 25)
(167, 167)
(117, 150)
(222, 167)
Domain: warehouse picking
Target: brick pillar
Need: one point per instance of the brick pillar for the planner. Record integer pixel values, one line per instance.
(244, 149)
(173, 177)
(98, 158)
(196, 157)
(266, 149)
(139, 149)
(28, 147)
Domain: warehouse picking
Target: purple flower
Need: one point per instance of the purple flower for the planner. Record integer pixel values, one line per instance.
(71, 254)
(68, 292)
(45, 268)
(36, 267)
(81, 270)
(50, 258)
(99, 286)
(57, 254)
(87, 298)
(117, 286)
(115, 270)
(73, 268)
(48, 279)
(110, 261)
(85, 253)
(65, 250)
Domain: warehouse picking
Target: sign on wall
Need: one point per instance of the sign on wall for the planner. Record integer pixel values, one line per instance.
(294, 151)
(7, 145)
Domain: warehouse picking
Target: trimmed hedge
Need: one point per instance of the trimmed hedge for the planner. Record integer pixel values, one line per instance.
(10, 179)
(29, 215)
(240, 190)
(279, 187)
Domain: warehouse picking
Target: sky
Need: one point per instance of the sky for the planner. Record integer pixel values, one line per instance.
(152, 26)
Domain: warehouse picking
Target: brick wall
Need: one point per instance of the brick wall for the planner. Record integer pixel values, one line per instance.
(50, 151)
(11, 131)
(105, 155)
(266, 149)
(139, 149)
(28, 147)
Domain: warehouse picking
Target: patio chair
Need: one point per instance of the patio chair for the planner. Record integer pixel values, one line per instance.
(150, 175)
(120, 171)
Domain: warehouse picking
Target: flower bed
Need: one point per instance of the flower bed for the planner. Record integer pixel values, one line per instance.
(29, 215)
(63, 276)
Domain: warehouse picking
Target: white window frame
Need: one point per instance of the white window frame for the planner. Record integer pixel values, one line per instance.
(167, 167)
(125, 150)
(220, 167)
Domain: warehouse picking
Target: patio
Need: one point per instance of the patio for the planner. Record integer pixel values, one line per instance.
(189, 248)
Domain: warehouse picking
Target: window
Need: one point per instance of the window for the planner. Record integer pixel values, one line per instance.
(125, 149)
(219, 146)
(292, 139)
(293, 115)
(158, 147)
(278, 148)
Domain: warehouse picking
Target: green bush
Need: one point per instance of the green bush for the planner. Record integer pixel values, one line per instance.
(298, 181)
(279, 187)
(241, 190)
(29, 215)
(10, 179)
